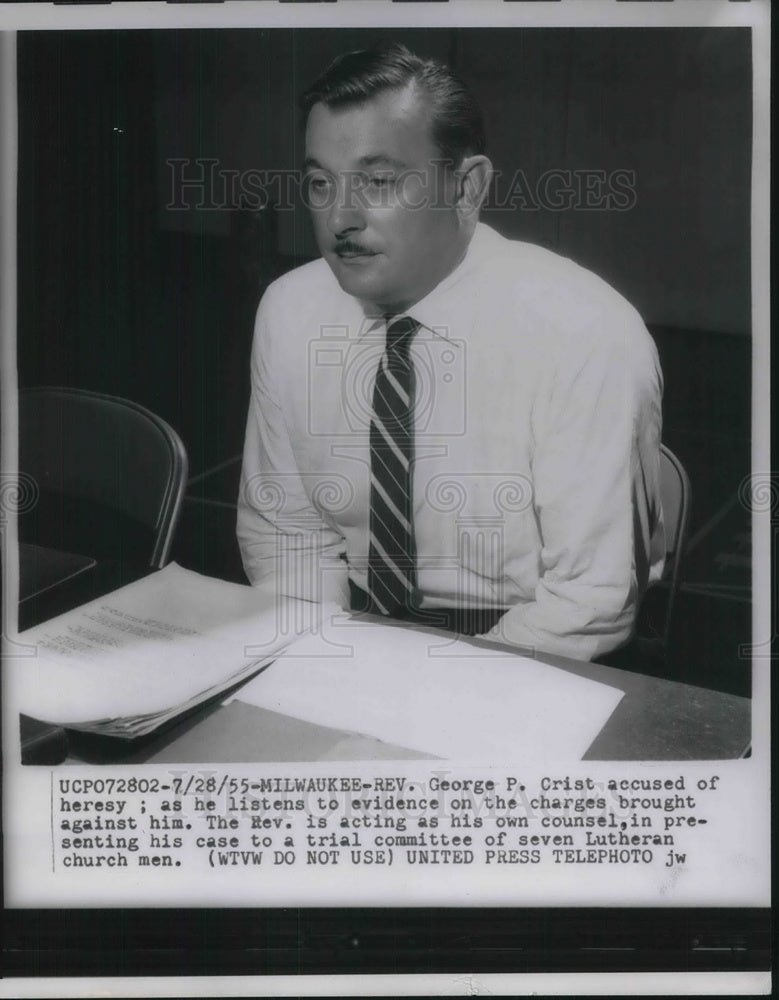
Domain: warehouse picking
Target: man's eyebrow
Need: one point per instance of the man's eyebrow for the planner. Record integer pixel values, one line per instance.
(380, 160)
(372, 160)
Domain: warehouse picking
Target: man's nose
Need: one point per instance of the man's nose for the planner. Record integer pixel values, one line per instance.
(346, 212)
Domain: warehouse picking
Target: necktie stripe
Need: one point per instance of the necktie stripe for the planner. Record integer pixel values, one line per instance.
(391, 474)
(393, 541)
(390, 503)
(392, 551)
(392, 446)
(386, 594)
(399, 390)
(391, 565)
(390, 411)
(382, 608)
(384, 521)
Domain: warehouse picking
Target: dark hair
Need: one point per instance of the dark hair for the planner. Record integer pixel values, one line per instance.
(457, 125)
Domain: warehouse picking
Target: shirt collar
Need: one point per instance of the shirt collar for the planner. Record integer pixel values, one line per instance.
(436, 312)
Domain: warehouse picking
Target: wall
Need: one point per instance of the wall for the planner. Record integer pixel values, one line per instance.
(119, 293)
(669, 107)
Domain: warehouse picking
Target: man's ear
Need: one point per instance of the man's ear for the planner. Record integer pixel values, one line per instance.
(473, 182)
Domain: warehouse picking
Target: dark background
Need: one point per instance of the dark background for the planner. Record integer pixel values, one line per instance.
(120, 294)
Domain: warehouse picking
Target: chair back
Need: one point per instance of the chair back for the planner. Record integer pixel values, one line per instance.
(675, 496)
(107, 451)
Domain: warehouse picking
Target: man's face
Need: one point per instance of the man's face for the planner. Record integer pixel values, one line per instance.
(382, 209)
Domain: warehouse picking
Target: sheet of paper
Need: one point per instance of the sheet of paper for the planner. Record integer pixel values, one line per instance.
(435, 695)
(157, 643)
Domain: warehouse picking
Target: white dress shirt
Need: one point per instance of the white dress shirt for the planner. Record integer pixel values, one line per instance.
(537, 432)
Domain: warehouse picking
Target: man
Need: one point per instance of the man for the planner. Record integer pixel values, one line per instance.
(445, 426)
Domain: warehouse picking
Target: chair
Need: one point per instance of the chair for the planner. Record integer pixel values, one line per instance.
(111, 474)
(675, 496)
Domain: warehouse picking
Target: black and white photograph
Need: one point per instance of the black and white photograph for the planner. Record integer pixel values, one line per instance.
(386, 501)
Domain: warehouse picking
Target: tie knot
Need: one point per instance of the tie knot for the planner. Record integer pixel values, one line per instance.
(400, 332)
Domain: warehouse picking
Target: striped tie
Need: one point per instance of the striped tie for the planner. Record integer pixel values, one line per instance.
(392, 552)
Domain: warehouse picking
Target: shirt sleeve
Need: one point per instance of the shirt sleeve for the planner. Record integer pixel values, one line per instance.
(285, 543)
(596, 497)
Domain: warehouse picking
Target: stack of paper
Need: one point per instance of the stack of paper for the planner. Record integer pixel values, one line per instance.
(126, 663)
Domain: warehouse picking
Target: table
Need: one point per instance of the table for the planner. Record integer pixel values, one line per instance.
(41, 569)
(52, 582)
(657, 719)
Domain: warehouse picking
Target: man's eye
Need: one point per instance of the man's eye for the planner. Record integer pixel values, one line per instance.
(378, 182)
(318, 191)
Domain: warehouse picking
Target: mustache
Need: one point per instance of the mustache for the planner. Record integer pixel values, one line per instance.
(346, 246)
